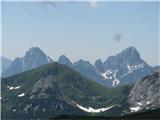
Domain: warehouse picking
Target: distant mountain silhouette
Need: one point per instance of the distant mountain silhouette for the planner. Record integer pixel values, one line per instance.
(33, 58)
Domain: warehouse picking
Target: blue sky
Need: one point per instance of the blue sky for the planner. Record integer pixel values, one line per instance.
(81, 29)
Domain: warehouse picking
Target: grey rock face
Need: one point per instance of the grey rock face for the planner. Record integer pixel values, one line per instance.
(87, 69)
(99, 66)
(14, 68)
(145, 94)
(81, 64)
(128, 56)
(33, 58)
(44, 88)
(64, 60)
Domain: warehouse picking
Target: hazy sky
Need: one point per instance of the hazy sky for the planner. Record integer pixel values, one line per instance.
(81, 29)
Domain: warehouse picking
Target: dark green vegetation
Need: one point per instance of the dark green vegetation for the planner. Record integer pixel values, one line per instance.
(151, 114)
(146, 115)
(50, 91)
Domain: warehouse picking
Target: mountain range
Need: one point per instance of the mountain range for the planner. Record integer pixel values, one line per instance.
(123, 68)
(4, 63)
(55, 89)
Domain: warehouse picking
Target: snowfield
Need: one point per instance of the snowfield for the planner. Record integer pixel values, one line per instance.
(92, 110)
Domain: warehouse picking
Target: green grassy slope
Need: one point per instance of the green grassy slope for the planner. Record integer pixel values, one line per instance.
(68, 85)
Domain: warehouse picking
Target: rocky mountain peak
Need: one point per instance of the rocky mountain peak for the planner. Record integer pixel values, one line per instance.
(64, 60)
(35, 53)
(128, 56)
(130, 50)
(83, 64)
(33, 58)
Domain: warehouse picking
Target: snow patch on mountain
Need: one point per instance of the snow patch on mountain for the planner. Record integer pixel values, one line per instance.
(13, 88)
(21, 95)
(148, 102)
(14, 110)
(115, 81)
(131, 68)
(134, 109)
(111, 75)
(107, 74)
(140, 104)
(92, 110)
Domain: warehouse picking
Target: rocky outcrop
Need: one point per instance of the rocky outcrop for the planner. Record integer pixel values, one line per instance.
(145, 94)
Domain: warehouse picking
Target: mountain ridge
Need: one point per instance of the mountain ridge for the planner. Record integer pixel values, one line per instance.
(54, 86)
(54, 89)
(125, 67)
